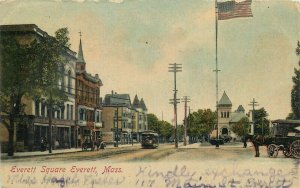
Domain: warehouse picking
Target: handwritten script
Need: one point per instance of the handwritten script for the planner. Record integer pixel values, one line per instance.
(168, 175)
(180, 176)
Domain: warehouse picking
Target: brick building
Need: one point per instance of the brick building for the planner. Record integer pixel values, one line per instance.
(88, 101)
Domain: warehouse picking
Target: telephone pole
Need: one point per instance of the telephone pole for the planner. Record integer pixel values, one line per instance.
(185, 100)
(174, 67)
(253, 103)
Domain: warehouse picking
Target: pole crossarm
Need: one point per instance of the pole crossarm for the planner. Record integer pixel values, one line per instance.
(253, 103)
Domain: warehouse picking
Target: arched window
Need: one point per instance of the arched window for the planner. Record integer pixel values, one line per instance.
(69, 81)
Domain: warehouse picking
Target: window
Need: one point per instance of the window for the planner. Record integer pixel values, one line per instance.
(63, 112)
(98, 116)
(43, 109)
(227, 114)
(68, 111)
(37, 108)
(63, 78)
(58, 114)
(71, 112)
(221, 114)
(81, 114)
(69, 81)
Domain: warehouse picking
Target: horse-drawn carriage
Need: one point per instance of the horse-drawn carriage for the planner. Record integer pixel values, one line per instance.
(286, 137)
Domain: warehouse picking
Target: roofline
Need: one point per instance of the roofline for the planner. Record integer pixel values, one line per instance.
(30, 28)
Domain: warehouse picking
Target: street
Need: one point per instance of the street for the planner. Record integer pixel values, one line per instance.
(165, 152)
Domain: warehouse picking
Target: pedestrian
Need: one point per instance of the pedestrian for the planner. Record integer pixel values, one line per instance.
(102, 144)
(43, 144)
(244, 141)
(98, 143)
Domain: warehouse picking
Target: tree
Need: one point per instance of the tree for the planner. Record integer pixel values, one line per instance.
(163, 128)
(261, 123)
(153, 122)
(166, 130)
(201, 123)
(241, 128)
(31, 70)
(295, 93)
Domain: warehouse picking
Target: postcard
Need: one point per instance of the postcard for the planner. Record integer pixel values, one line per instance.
(149, 93)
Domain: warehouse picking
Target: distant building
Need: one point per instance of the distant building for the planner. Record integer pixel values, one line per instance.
(28, 136)
(227, 118)
(88, 101)
(117, 118)
(141, 122)
(130, 122)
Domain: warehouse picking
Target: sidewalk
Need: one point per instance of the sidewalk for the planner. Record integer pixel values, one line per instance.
(208, 145)
(55, 152)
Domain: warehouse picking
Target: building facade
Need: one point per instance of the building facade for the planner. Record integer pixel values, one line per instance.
(117, 118)
(140, 123)
(28, 135)
(227, 118)
(88, 102)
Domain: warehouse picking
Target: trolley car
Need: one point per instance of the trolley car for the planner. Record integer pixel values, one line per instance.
(149, 139)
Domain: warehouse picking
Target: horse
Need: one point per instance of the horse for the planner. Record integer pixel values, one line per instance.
(257, 140)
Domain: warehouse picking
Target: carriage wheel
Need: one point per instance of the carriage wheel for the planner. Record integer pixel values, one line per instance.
(295, 149)
(273, 150)
(286, 152)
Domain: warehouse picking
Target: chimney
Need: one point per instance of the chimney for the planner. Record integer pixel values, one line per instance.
(112, 92)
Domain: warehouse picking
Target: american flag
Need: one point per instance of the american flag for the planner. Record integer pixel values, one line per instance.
(232, 9)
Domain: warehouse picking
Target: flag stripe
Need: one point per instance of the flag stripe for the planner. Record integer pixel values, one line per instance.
(232, 9)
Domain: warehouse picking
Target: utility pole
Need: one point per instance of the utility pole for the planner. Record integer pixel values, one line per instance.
(253, 103)
(174, 67)
(185, 100)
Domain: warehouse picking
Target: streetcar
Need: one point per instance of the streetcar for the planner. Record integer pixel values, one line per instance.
(149, 139)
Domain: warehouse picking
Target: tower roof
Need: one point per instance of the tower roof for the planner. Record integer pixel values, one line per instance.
(142, 104)
(225, 101)
(80, 53)
(240, 109)
(136, 102)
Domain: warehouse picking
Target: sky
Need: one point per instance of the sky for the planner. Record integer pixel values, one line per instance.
(130, 44)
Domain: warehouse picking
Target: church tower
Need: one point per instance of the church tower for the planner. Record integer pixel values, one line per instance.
(80, 64)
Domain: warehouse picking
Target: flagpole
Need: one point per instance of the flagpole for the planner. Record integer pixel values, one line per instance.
(217, 70)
